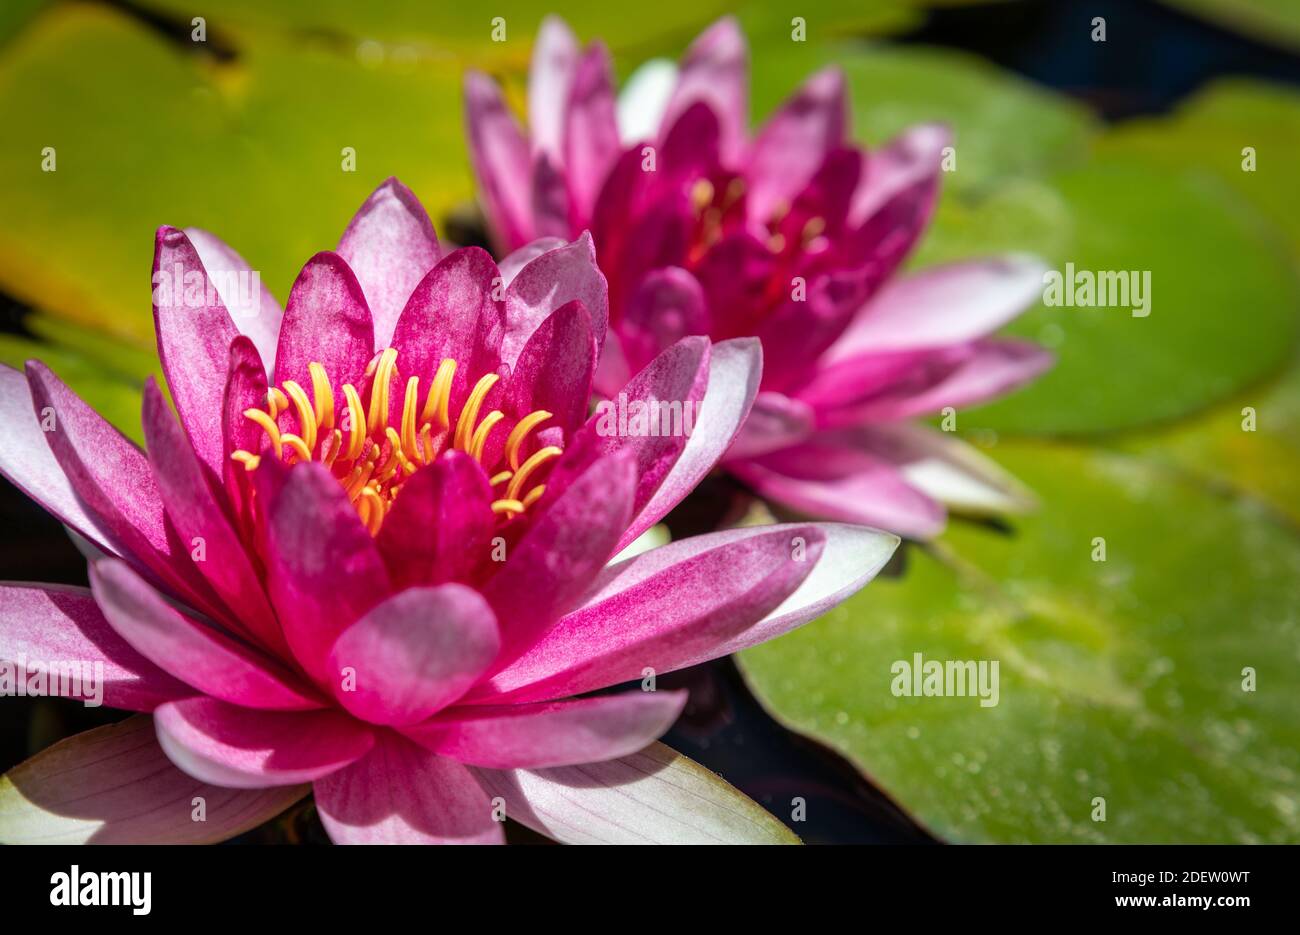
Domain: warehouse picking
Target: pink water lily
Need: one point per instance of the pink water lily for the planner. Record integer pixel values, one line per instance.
(372, 556)
(796, 237)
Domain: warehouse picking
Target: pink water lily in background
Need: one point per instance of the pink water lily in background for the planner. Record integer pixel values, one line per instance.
(372, 556)
(794, 236)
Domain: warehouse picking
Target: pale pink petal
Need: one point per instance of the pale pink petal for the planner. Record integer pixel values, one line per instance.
(414, 654)
(776, 421)
(499, 154)
(555, 60)
(715, 70)
(252, 308)
(403, 794)
(553, 733)
(390, 245)
(29, 464)
(114, 785)
(194, 332)
(44, 625)
(942, 305)
(913, 156)
(591, 143)
(654, 796)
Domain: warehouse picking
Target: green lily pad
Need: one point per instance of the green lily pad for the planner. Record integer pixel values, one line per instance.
(1223, 296)
(1119, 681)
(1250, 444)
(1213, 130)
(145, 133)
(1273, 21)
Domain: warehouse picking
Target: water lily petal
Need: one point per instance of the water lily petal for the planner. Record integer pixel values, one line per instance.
(659, 609)
(114, 785)
(403, 794)
(390, 245)
(499, 154)
(48, 624)
(241, 748)
(194, 333)
(193, 652)
(414, 654)
(326, 321)
(551, 280)
(252, 307)
(555, 733)
(654, 796)
(715, 70)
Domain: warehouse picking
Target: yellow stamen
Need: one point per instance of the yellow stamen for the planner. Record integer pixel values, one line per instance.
(701, 195)
(268, 425)
(469, 415)
(507, 506)
(249, 460)
(331, 449)
(439, 397)
(500, 478)
(298, 445)
(549, 453)
(376, 509)
(276, 402)
(534, 495)
(409, 405)
(518, 433)
(323, 394)
(479, 440)
(357, 420)
(379, 390)
(306, 417)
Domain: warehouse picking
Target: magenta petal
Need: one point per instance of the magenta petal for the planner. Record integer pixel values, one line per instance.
(553, 279)
(113, 478)
(554, 562)
(667, 305)
(199, 518)
(194, 334)
(31, 466)
(775, 422)
(252, 308)
(390, 245)
(326, 320)
(660, 608)
(591, 144)
(246, 388)
(874, 494)
(906, 161)
(44, 624)
(241, 748)
(452, 314)
(439, 529)
(193, 652)
(675, 382)
(735, 369)
(403, 794)
(323, 567)
(550, 198)
(795, 141)
(555, 368)
(550, 77)
(114, 785)
(942, 305)
(715, 70)
(555, 733)
(499, 154)
(414, 654)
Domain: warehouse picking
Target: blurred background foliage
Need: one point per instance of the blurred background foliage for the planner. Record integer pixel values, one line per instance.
(1121, 679)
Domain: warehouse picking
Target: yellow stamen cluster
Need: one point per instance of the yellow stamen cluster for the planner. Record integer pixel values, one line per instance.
(371, 458)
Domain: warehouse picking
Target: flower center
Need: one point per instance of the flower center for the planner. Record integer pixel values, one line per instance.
(372, 458)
